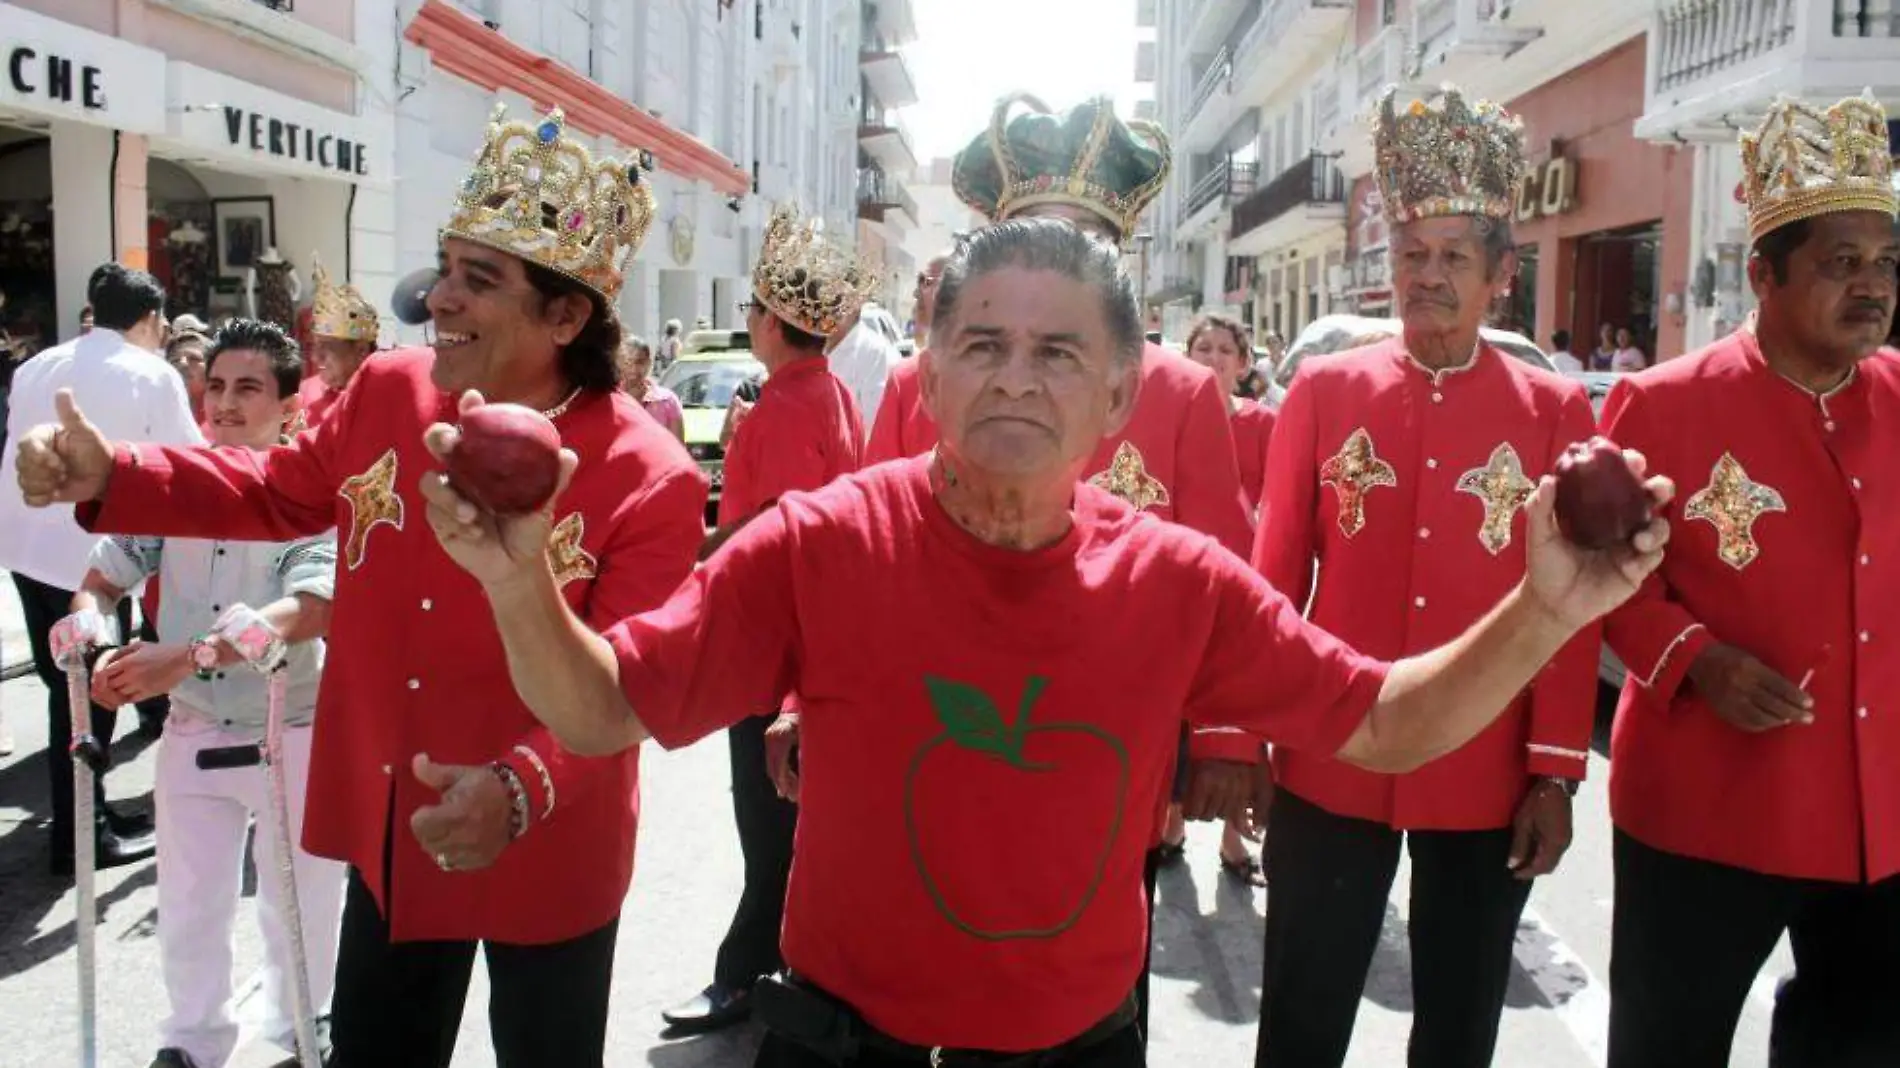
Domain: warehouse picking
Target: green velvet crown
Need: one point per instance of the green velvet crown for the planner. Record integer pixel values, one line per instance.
(1086, 157)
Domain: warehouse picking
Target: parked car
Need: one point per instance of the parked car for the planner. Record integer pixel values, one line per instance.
(706, 379)
(1597, 384)
(1337, 333)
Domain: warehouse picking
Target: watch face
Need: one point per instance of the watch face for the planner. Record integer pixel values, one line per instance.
(203, 656)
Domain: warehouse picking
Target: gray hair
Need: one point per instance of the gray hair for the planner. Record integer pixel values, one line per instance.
(1494, 237)
(1043, 244)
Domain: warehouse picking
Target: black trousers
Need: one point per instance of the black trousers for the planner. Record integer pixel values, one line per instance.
(767, 824)
(1330, 877)
(399, 1004)
(1123, 1049)
(42, 606)
(1690, 936)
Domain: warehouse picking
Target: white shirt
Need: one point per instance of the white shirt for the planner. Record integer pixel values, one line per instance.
(200, 579)
(129, 394)
(863, 362)
(1566, 363)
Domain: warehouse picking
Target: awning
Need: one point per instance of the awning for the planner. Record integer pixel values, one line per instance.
(458, 43)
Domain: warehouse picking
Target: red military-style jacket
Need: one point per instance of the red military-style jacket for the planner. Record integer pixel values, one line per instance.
(1784, 542)
(804, 431)
(1253, 432)
(415, 662)
(1406, 488)
(1175, 459)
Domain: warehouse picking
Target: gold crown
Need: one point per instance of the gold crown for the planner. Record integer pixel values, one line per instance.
(1803, 162)
(340, 311)
(808, 281)
(538, 195)
(1447, 157)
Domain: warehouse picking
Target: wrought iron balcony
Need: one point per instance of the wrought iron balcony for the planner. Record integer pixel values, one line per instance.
(1313, 180)
(1226, 183)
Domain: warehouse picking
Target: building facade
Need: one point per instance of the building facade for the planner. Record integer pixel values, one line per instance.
(941, 216)
(1627, 217)
(887, 213)
(213, 140)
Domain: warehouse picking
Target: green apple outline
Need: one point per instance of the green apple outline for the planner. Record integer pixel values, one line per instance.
(972, 721)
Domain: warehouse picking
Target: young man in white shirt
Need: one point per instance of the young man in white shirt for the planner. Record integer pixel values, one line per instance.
(211, 785)
(862, 357)
(1561, 356)
(114, 370)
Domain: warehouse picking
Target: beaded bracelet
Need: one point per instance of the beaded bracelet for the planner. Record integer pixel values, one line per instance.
(547, 780)
(518, 816)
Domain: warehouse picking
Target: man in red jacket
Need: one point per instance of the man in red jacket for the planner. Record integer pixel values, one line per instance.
(1175, 456)
(343, 332)
(465, 824)
(1756, 782)
(1401, 471)
(803, 432)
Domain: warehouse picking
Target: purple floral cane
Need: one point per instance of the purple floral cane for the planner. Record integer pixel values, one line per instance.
(263, 647)
(74, 640)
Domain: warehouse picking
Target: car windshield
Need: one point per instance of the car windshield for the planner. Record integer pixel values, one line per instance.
(707, 384)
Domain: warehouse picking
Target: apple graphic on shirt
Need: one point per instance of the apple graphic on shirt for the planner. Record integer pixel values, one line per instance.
(1012, 823)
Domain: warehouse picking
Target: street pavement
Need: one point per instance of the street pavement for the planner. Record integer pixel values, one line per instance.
(1207, 953)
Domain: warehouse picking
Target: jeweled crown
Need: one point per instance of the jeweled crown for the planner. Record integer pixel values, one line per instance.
(1804, 162)
(1086, 157)
(537, 194)
(1445, 156)
(807, 280)
(340, 311)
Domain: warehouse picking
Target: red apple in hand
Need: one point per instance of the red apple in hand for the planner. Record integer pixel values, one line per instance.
(506, 459)
(1601, 504)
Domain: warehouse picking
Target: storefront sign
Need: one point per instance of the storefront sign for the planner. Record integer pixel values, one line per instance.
(226, 121)
(1548, 190)
(287, 140)
(54, 69)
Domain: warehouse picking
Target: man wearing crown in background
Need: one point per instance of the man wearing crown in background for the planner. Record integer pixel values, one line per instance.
(343, 331)
(1756, 782)
(465, 825)
(803, 432)
(1175, 457)
(1399, 473)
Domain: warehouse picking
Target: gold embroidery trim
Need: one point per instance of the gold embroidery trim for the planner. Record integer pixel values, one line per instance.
(1352, 472)
(1503, 487)
(373, 501)
(1127, 477)
(566, 558)
(1731, 503)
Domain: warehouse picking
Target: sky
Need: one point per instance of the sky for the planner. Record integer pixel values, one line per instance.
(970, 52)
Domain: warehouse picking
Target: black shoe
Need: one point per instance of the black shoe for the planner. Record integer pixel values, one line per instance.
(128, 824)
(173, 1058)
(718, 1006)
(110, 851)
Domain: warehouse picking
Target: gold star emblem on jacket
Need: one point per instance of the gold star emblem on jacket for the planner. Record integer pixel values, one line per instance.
(1503, 487)
(373, 500)
(1352, 472)
(566, 558)
(1731, 503)
(1127, 477)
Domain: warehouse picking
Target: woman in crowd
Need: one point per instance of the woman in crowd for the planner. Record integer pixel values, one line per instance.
(636, 377)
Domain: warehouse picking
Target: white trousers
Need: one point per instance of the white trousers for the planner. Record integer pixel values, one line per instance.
(201, 818)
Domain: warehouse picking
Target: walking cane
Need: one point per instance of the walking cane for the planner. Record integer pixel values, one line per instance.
(264, 650)
(74, 640)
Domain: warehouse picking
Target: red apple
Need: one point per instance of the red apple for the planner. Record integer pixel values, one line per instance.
(1601, 503)
(506, 460)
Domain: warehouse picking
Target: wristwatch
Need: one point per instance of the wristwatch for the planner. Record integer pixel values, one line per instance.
(1568, 786)
(204, 657)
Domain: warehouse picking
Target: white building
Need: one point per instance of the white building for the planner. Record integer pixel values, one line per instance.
(189, 136)
(941, 214)
(743, 106)
(886, 211)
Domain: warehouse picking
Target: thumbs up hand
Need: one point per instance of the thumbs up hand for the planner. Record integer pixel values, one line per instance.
(68, 461)
(469, 828)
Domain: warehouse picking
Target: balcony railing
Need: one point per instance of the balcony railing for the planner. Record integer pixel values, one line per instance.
(1227, 182)
(1313, 180)
(1219, 71)
(879, 192)
(1698, 38)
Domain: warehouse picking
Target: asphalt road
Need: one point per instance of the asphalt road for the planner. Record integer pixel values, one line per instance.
(1207, 957)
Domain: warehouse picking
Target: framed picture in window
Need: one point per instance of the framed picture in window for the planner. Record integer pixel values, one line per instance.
(244, 227)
